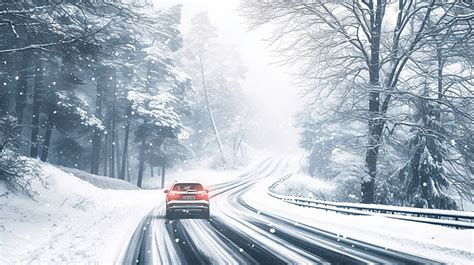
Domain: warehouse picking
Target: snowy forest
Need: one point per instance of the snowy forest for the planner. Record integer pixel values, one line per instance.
(390, 94)
(236, 132)
(111, 88)
(117, 89)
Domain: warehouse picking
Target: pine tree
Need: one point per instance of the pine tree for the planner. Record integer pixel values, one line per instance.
(423, 178)
(157, 85)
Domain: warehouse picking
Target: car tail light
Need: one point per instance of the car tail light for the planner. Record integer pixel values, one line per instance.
(202, 196)
(173, 196)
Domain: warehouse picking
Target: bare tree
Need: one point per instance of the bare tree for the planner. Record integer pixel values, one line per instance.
(359, 47)
(210, 112)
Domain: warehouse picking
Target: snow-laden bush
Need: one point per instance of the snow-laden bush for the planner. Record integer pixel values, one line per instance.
(346, 188)
(16, 172)
(305, 186)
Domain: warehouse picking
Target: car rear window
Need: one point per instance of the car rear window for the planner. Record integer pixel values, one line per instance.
(187, 187)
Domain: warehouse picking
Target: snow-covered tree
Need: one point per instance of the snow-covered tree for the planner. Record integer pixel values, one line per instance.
(82, 76)
(217, 104)
(157, 85)
(423, 179)
(358, 52)
(16, 171)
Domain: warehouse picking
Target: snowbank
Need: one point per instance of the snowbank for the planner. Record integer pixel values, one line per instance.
(70, 220)
(432, 241)
(303, 185)
(341, 188)
(100, 181)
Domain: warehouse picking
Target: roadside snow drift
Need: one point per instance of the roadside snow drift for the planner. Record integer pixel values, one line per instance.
(435, 242)
(303, 185)
(70, 220)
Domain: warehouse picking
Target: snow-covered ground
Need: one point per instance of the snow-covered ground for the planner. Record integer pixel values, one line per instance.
(70, 220)
(304, 185)
(435, 242)
(79, 217)
(101, 181)
(73, 221)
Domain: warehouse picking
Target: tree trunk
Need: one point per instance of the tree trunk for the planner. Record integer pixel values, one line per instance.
(97, 134)
(375, 123)
(368, 184)
(239, 144)
(125, 145)
(11, 100)
(106, 154)
(47, 138)
(151, 171)
(141, 162)
(440, 75)
(117, 154)
(95, 157)
(163, 171)
(23, 75)
(35, 117)
(112, 154)
(128, 168)
(5, 88)
(211, 116)
(3, 102)
(439, 53)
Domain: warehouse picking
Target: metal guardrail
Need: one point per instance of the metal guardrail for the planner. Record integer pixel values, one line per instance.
(457, 219)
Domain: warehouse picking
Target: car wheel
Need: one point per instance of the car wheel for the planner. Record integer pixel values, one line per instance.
(207, 216)
(169, 215)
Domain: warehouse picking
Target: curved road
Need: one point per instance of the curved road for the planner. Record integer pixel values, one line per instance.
(241, 234)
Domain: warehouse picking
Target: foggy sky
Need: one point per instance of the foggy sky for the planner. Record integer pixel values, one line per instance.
(273, 100)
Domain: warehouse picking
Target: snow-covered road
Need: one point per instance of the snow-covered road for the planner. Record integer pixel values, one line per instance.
(242, 230)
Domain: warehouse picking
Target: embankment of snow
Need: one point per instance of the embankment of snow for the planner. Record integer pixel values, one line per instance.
(340, 188)
(101, 181)
(304, 185)
(432, 241)
(70, 220)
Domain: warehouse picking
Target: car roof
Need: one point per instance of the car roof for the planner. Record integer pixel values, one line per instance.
(187, 182)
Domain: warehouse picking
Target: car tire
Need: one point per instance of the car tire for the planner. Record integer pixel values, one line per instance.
(206, 215)
(169, 215)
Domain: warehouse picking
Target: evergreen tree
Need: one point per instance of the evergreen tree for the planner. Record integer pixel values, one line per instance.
(423, 178)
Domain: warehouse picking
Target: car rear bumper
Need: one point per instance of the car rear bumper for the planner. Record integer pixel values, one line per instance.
(188, 206)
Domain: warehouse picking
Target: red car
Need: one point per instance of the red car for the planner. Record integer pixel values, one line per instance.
(187, 199)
